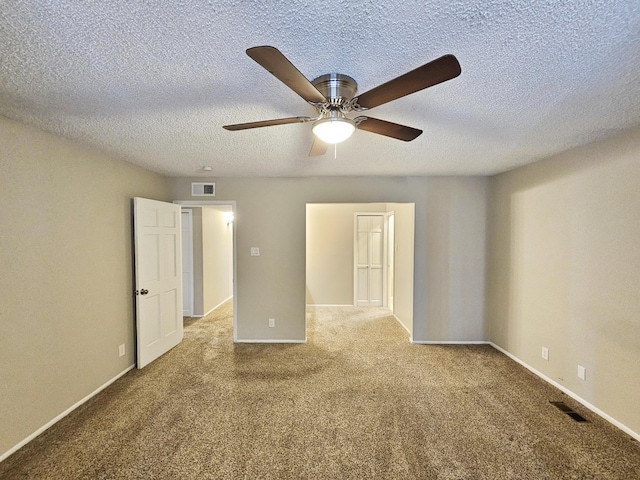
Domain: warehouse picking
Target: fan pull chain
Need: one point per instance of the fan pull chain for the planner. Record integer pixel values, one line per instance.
(335, 151)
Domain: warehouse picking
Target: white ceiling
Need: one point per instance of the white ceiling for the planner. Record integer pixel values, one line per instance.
(153, 82)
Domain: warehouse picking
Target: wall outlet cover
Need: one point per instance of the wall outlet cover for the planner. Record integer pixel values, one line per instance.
(545, 353)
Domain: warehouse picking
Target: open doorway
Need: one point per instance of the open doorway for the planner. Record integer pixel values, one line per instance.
(209, 273)
(332, 267)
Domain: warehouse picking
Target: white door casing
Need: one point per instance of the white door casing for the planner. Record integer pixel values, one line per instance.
(158, 277)
(391, 247)
(369, 259)
(187, 262)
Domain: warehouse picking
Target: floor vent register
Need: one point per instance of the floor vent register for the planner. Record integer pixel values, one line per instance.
(566, 409)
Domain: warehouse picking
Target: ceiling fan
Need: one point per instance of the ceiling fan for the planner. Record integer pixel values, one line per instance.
(334, 95)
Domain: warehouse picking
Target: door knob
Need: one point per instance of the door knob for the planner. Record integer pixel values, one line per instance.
(144, 291)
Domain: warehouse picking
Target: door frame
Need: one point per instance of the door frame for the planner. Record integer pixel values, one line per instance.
(232, 203)
(389, 260)
(189, 213)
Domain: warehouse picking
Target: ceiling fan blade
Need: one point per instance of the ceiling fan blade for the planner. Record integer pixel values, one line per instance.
(267, 123)
(318, 148)
(437, 71)
(388, 129)
(276, 63)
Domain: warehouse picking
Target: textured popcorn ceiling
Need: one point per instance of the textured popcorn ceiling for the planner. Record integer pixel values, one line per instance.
(153, 82)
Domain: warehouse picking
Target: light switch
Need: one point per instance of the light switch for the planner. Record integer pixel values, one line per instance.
(255, 252)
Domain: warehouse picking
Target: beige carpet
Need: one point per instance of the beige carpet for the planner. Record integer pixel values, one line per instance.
(357, 401)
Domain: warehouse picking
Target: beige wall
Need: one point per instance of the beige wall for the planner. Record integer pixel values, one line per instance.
(456, 249)
(565, 271)
(271, 215)
(217, 257)
(404, 263)
(66, 274)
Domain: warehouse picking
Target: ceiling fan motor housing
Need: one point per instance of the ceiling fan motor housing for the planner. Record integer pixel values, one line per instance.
(337, 88)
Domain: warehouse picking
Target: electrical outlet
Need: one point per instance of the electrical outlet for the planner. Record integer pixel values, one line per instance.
(545, 353)
(121, 350)
(272, 322)
(582, 372)
(255, 252)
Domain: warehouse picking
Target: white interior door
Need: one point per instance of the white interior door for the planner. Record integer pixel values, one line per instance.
(369, 259)
(158, 266)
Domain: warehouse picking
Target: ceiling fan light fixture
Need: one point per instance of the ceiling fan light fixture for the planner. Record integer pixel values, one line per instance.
(333, 95)
(334, 129)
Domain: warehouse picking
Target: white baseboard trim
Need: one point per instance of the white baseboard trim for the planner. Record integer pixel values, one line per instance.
(64, 414)
(450, 342)
(564, 389)
(273, 340)
(219, 305)
(402, 325)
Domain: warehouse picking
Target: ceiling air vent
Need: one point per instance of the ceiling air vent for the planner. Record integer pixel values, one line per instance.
(203, 189)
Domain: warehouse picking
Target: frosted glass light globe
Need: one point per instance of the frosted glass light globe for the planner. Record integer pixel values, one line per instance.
(333, 130)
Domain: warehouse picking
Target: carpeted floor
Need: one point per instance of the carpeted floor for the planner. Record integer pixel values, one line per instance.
(357, 401)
